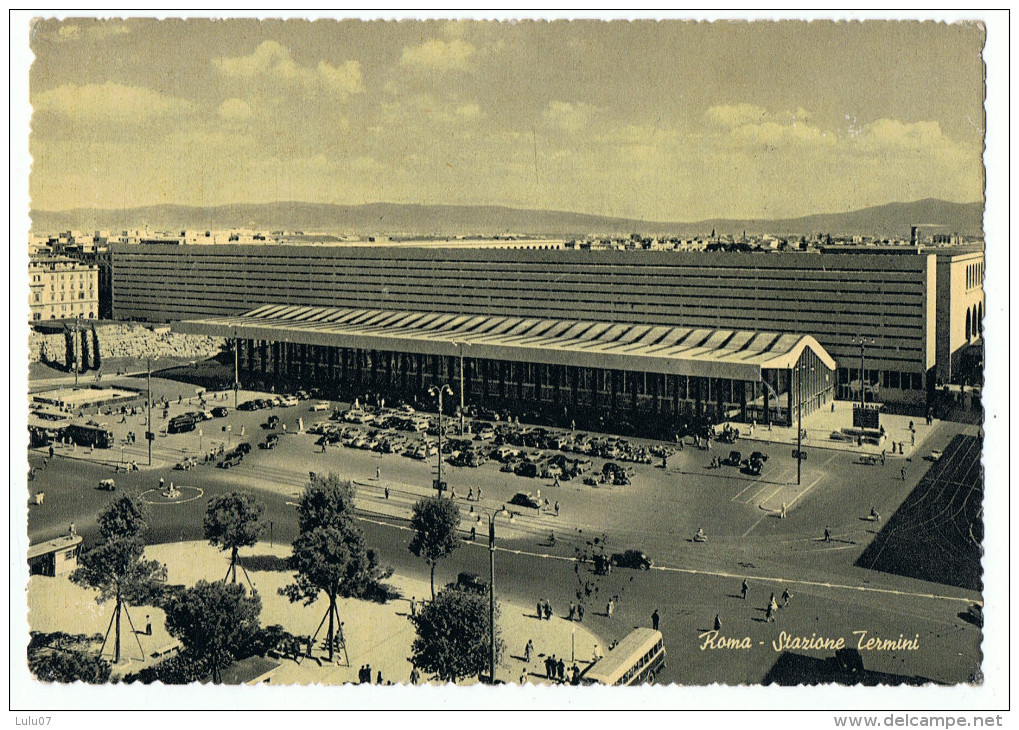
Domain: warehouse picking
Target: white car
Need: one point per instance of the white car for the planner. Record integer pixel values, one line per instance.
(320, 406)
(288, 401)
(936, 454)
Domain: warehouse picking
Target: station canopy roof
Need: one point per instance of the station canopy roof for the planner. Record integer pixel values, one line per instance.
(716, 353)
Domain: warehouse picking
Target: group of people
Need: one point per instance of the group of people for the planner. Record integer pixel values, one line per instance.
(544, 610)
(770, 610)
(555, 670)
(364, 675)
(576, 612)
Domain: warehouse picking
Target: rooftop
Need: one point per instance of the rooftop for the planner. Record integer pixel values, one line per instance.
(720, 353)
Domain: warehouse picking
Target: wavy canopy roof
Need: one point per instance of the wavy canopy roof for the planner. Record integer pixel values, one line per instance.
(736, 354)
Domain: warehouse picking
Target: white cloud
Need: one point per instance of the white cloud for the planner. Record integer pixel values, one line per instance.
(273, 62)
(109, 102)
(438, 54)
(234, 109)
(566, 116)
(735, 115)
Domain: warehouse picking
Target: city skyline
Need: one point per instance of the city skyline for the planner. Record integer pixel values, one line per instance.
(562, 116)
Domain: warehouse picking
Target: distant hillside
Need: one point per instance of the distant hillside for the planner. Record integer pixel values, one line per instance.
(893, 219)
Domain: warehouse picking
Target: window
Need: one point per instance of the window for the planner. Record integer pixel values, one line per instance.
(894, 381)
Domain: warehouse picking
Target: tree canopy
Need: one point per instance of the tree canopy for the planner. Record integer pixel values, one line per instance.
(453, 635)
(212, 620)
(60, 657)
(233, 521)
(435, 523)
(115, 566)
(330, 554)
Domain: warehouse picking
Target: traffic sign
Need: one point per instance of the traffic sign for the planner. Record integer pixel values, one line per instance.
(149, 436)
(801, 454)
(437, 485)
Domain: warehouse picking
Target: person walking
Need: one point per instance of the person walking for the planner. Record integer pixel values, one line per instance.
(528, 650)
(903, 473)
(786, 595)
(387, 492)
(379, 678)
(610, 607)
(540, 610)
(580, 612)
(718, 622)
(573, 611)
(474, 533)
(548, 611)
(744, 589)
(415, 676)
(470, 494)
(784, 507)
(769, 614)
(655, 618)
(557, 508)
(548, 667)
(413, 606)
(561, 670)
(827, 534)
(883, 457)
(479, 494)
(378, 473)
(148, 625)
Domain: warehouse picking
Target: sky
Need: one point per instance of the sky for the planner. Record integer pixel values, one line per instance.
(664, 121)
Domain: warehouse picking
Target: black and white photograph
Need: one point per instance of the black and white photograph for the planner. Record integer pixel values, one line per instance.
(547, 354)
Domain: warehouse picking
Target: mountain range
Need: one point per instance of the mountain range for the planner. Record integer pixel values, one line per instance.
(399, 219)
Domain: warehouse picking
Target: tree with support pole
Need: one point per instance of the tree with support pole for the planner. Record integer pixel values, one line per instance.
(233, 521)
(435, 523)
(330, 555)
(115, 567)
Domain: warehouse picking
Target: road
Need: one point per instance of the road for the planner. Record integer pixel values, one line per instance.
(658, 513)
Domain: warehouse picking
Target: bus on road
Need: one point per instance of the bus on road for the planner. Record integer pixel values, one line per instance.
(98, 436)
(637, 659)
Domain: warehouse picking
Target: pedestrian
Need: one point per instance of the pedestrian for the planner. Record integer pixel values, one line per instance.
(148, 625)
(73, 530)
(827, 534)
(882, 457)
(474, 533)
(387, 492)
(161, 483)
(413, 606)
(555, 480)
(470, 494)
(655, 619)
(718, 622)
(772, 603)
(378, 473)
(548, 611)
(580, 612)
(784, 507)
(557, 508)
(912, 439)
(528, 649)
(833, 406)
(51, 451)
(540, 610)
(903, 473)
(573, 611)
(744, 589)
(378, 680)
(561, 670)
(548, 667)
(546, 504)
(415, 675)
(786, 595)
(479, 494)
(769, 614)
(610, 607)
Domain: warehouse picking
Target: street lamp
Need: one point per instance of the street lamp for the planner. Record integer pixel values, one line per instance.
(862, 341)
(438, 391)
(799, 417)
(237, 368)
(149, 436)
(491, 589)
(460, 347)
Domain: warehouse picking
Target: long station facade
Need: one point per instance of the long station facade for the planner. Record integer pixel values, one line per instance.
(899, 320)
(645, 377)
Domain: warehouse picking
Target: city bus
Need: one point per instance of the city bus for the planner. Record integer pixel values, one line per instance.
(637, 659)
(97, 436)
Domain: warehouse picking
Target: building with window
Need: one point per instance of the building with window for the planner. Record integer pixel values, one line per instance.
(61, 287)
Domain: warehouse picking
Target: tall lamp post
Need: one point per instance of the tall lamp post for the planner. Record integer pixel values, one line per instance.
(863, 344)
(491, 590)
(237, 367)
(439, 390)
(799, 418)
(460, 347)
(148, 389)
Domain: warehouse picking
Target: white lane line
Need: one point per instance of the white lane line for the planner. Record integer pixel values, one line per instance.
(753, 526)
(777, 490)
(736, 497)
(797, 497)
(722, 574)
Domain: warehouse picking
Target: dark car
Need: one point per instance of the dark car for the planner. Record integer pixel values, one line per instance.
(271, 441)
(244, 448)
(232, 459)
(248, 405)
(524, 500)
(734, 459)
(471, 582)
(759, 456)
(632, 559)
(220, 411)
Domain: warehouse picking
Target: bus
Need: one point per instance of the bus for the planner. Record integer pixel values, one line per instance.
(181, 424)
(637, 659)
(98, 436)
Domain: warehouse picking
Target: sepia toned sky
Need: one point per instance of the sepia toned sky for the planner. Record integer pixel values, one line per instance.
(659, 121)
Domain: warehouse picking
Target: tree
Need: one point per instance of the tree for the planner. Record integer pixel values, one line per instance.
(60, 657)
(435, 524)
(212, 620)
(330, 554)
(453, 635)
(233, 521)
(115, 567)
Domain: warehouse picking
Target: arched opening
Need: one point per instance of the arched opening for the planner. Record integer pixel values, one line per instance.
(968, 322)
(980, 317)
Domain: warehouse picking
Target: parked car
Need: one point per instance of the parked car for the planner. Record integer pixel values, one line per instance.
(320, 406)
(632, 559)
(232, 459)
(271, 441)
(220, 411)
(524, 500)
(244, 448)
(735, 458)
(288, 401)
(249, 405)
(936, 454)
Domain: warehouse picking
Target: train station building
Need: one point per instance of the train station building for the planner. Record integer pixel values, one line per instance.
(565, 369)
